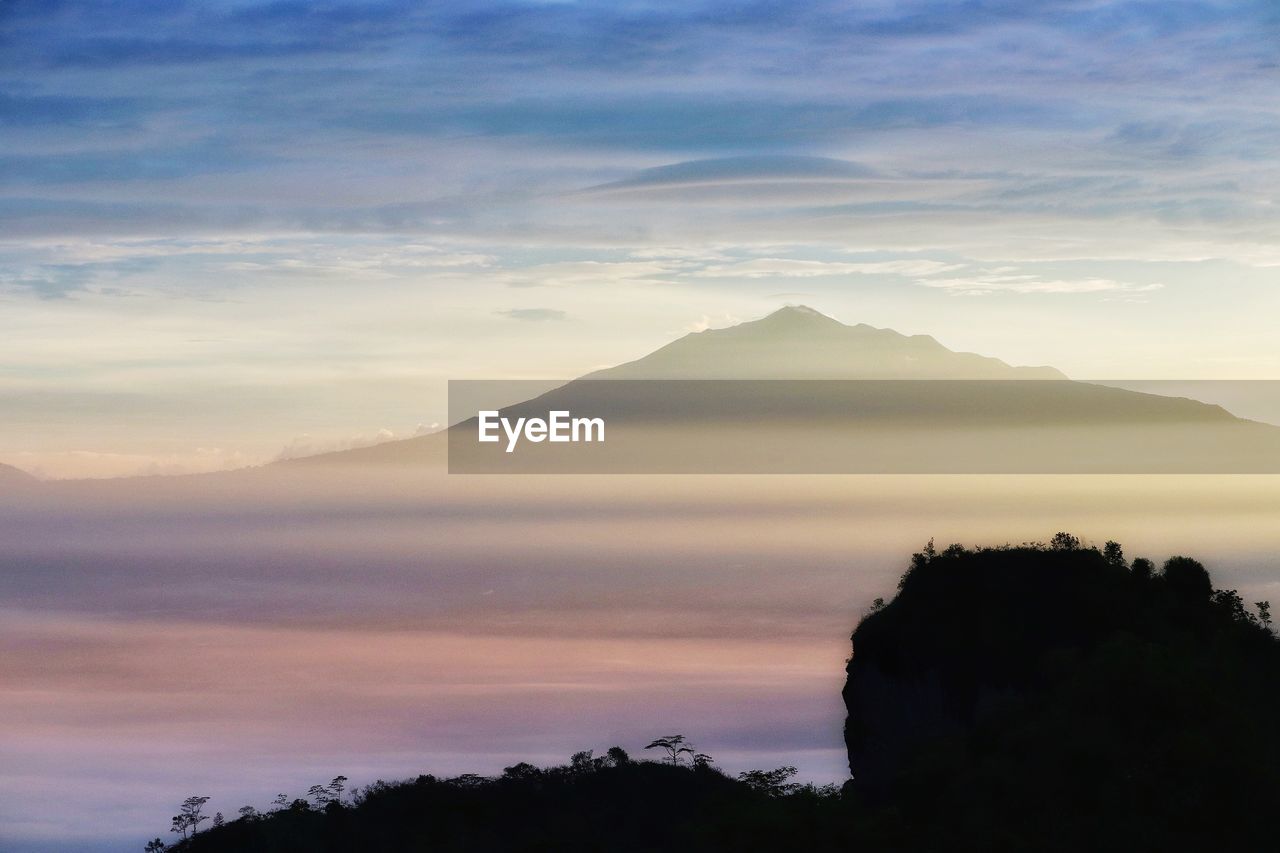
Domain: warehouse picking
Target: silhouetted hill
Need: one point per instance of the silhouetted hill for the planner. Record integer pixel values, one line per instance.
(1059, 698)
(600, 804)
(1032, 698)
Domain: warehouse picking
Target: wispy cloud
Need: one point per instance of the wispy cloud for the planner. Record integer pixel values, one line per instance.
(588, 272)
(731, 170)
(983, 285)
(535, 315)
(476, 119)
(794, 268)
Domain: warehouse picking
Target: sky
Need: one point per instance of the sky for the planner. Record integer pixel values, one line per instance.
(231, 232)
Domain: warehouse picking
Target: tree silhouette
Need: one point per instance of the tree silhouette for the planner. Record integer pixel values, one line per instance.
(192, 814)
(520, 772)
(772, 782)
(1187, 579)
(1066, 542)
(1230, 601)
(189, 816)
(155, 845)
(674, 745)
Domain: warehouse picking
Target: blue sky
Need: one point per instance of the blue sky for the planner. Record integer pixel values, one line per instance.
(207, 204)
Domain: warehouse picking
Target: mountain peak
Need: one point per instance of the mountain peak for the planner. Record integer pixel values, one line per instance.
(793, 313)
(798, 321)
(800, 342)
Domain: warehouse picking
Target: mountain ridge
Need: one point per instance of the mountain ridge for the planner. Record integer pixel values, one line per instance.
(799, 342)
(820, 346)
(865, 400)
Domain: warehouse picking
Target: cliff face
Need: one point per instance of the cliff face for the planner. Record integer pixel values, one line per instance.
(1020, 688)
(966, 631)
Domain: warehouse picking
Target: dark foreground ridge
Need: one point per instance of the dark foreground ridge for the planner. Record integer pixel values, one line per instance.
(1032, 698)
(1054, 697)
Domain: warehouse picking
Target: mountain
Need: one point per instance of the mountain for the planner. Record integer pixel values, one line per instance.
(795, 342)
(798, 342)
(11, 476)
(869, 400)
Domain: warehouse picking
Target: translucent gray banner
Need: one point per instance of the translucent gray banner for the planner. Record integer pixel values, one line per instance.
(601, 426)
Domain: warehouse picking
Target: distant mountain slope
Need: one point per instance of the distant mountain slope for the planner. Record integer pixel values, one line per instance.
(798, 342)
(795, 342)
(11, 476)
(429, 450)
(870, 401)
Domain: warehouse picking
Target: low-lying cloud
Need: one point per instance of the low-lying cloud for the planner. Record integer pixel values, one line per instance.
(534, 315)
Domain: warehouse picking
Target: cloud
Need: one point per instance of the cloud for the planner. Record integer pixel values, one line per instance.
(162, 162)
(679, 121)
(589, 272)
(69, 111)
(793, 268)
(983, 285)
(678, 253)
(572, 96)
(729, 170)
(92, 464)
(705, 322)
(182, 267)
(536, 315)
(376, 259)
(51, 282)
